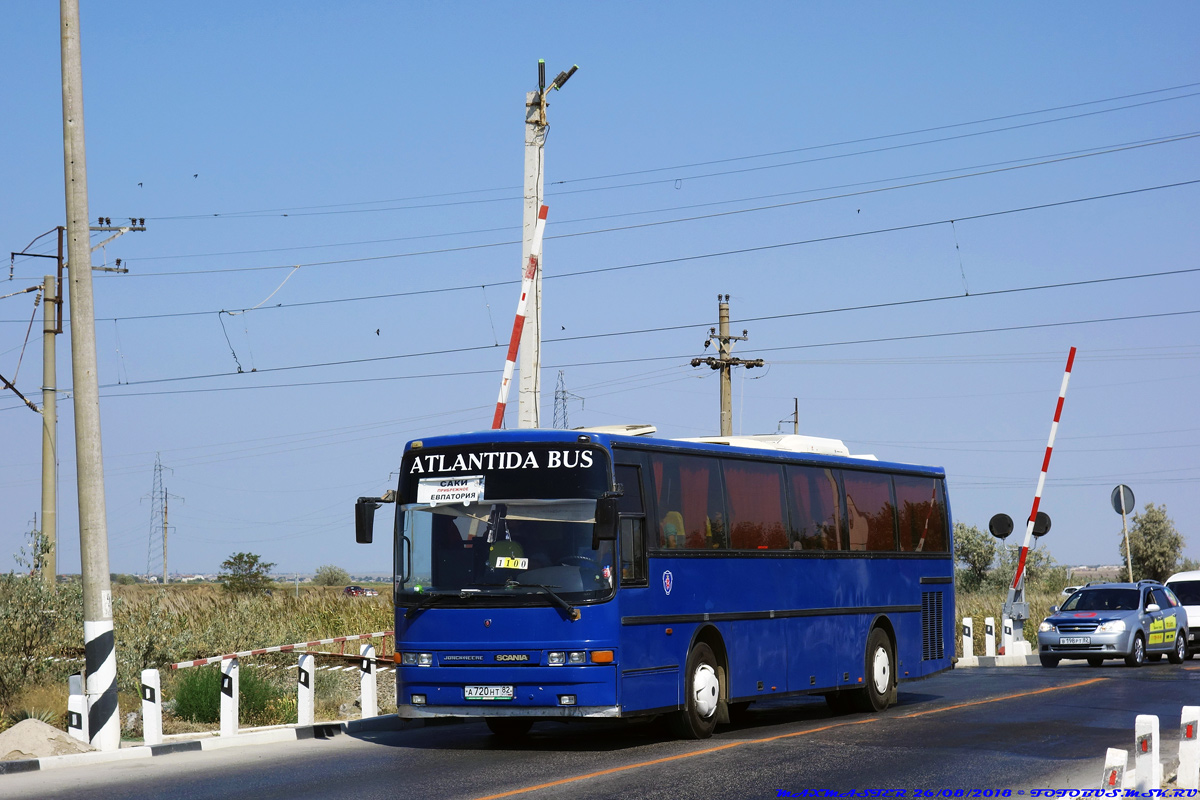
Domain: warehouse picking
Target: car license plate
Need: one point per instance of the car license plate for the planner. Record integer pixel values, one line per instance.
(1075, 640)
(488, 692)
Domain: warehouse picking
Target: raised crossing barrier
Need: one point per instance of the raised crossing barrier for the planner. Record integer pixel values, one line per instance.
(283, 648)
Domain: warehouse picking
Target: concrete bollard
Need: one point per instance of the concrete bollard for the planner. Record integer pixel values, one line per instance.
(1146, 764)
(151, 707)
(369, 683)
(1006, 637)
(305, 700)
(968, 633)
(1115, 762)
(1189, 748)
(77, 719)
(229, 697)
(989, 636)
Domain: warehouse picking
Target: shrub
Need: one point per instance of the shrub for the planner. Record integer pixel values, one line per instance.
(198, 698)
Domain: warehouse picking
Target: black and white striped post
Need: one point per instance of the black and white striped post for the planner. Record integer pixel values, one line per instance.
(305, 698)
(152, 731)
(100, 685)
(229, 697)
(369, 684)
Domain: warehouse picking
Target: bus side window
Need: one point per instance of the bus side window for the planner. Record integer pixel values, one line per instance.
(690, 502)
(815, 514)
(922, 514)
(869, 511)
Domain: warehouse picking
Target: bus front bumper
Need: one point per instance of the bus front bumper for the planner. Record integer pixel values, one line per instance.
(480, 712)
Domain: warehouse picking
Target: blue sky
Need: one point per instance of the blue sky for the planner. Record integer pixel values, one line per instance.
(378, 148)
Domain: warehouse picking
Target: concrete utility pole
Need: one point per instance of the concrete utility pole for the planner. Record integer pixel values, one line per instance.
(725, 362)
(50, 427)
(529, 391)
(101, 662)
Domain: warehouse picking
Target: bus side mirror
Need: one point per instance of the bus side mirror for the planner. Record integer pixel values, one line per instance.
(364, 519)
(607, 522)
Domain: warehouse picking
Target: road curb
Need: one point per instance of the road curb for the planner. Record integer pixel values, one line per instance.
(321, 730)
(998, 661)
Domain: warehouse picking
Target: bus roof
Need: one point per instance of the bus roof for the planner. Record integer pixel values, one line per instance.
(790, 447)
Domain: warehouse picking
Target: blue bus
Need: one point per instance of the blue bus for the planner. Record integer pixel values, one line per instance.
(553, 574)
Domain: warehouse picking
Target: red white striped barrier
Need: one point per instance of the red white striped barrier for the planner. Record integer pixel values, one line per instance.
(535, 257)
(1037, 497)
(285, 648)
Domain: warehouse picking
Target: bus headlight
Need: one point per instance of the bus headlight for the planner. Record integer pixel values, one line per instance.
(1115, 626)
(408, 659)
(424, 659)
(557, 658)
(577, 658)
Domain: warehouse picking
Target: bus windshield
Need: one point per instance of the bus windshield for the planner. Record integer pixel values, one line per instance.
(516, 551)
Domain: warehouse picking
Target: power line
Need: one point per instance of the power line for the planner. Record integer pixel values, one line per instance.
(344, 207)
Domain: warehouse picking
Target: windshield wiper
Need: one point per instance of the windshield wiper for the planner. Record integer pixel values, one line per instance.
(572, 612)
(430, 598)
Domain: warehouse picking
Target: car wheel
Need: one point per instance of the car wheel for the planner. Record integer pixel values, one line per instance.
(698, 717)
(1048, 661)
(1095, 661)
(1179, 653)
(1137, 654)
(881, 674)
(509, 727)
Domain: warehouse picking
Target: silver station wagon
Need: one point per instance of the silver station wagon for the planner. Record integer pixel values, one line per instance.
(1138, 622)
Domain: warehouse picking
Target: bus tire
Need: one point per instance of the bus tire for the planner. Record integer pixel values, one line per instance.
(509, 727)
(880, 674)
(703, 692)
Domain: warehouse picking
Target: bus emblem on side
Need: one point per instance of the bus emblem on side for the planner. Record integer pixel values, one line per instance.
(668, 581)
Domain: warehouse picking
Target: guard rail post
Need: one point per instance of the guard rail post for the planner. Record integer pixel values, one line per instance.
(968, 640)
(1146, 764)
(368, 684)
(229, 697)
(152, 731)
(77, 720)
(305, 706)
(989, 636)
(1189, 749)
(1115, 762)
(1006, 641)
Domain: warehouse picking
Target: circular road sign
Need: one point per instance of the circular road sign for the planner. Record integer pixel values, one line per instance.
(1119, 494)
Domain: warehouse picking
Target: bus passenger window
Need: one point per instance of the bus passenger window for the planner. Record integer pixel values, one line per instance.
(690, 504)
(814, 511)
(869, 510)
(922, 514)
(756, 510)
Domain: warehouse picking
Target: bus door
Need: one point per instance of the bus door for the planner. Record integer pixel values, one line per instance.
(649, 667)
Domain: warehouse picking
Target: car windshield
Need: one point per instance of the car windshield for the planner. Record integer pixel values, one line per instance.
(1188, 592)
(1102, 600)
(516, 551)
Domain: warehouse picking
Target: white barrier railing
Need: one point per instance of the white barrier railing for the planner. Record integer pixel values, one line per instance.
(1147, 761)
(1189, 748)
(305, 687)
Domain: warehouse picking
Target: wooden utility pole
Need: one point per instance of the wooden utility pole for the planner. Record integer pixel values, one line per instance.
(725, 361)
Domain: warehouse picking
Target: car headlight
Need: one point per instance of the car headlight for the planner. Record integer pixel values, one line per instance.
(1046, 627)
(1116, 626)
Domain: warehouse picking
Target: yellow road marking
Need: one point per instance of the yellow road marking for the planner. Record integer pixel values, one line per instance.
(766, 739)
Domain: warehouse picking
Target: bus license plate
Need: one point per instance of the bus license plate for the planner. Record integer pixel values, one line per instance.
(488, 692)
(1075, 640)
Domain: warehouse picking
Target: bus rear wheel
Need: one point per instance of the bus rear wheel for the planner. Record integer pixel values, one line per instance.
(509, 727)
(877, 694)
(703, 692)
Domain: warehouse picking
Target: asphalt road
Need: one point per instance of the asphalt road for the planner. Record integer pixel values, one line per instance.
(983, 728)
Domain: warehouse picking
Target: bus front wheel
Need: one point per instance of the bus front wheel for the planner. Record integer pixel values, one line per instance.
(877, 694)
(698, 717)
